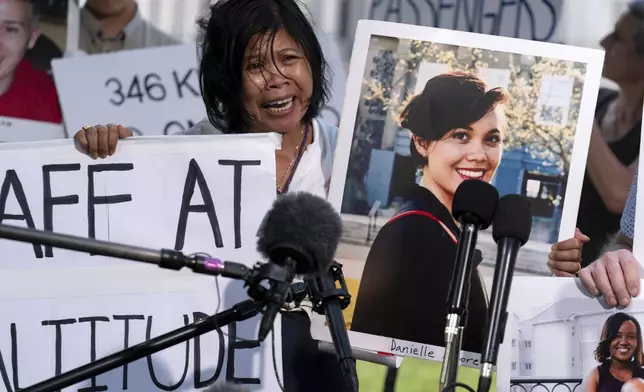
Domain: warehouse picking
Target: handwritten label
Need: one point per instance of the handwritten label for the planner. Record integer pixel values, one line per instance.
(529, 19)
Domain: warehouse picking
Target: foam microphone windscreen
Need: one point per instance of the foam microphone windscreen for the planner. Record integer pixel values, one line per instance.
(305, 222)
(475, 198)
(226, 387)
(513, 218)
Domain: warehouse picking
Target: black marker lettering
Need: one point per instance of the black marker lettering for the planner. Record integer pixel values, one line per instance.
(59, 340)
(135, 89)
(118, 91)
(92, 351)
(445, 5)
(11, 180)
(233, 345)
(237, 181)
(14, 362)
(471, 15)
(195, 176)
(126, 340)
(148, 336)
(393, 9)
(93, 200)
(154, 89)
(198, 316)
(433, 10)
(553, 24)
(184, 82)
(49, 202)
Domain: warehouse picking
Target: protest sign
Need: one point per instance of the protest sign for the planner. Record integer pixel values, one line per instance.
(154, 91)
(560, 338)
(528, 151)
(62, 309)
(20, 130)
(528, 19)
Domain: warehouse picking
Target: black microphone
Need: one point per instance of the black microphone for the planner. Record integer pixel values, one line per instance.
(473, 206)
(330, 300)
(512, 226)
(301, 233)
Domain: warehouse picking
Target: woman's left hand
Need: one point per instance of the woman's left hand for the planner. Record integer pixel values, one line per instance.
(565, 258)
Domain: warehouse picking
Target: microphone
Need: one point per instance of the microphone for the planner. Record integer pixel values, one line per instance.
(329, 300)
(301, 233)
(512, 226)
(473, 206)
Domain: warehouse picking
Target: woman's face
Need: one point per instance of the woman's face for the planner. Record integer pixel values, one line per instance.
(277, 83)
(463, 154)
(623, 346)
(621, 61)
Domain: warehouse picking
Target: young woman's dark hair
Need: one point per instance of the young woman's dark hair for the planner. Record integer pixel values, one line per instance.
(610, 332)
(225, 35)
(448, 101)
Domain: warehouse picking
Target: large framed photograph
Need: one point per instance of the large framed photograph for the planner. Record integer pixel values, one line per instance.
(564, 339)
(424, 110)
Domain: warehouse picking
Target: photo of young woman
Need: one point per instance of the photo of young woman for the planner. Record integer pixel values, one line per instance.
(457, 126)
(619, 354)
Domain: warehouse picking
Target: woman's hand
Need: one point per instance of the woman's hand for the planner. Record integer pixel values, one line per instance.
(100, 140)
(565, 258)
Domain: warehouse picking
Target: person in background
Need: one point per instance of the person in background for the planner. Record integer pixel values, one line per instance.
(262, 70)
(43, 52)
(25, 92)
(615, 139)
(619, 354)
(115, 25)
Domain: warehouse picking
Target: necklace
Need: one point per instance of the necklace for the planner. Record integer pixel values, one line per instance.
(290, 170)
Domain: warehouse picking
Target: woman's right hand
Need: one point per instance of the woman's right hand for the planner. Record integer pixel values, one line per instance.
(100, 140)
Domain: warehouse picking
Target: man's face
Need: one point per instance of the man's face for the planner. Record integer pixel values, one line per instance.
(17, 34)
(107, 8)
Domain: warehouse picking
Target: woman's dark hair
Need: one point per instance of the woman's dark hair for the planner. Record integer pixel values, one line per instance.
(224, 37)
(636, 8)
(610, 332)
(449, 101)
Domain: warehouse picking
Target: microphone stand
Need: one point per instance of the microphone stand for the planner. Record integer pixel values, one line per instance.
(164, 258)
(329, 290)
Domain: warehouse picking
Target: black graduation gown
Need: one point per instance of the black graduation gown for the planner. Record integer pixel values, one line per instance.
(404, 287)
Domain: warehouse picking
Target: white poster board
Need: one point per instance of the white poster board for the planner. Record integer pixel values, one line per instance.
(387, 60)
(550, 338)
(20, 130)
(154, 91)
(61, 309)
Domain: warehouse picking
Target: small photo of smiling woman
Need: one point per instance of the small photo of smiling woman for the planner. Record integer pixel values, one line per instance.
(619, 357)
